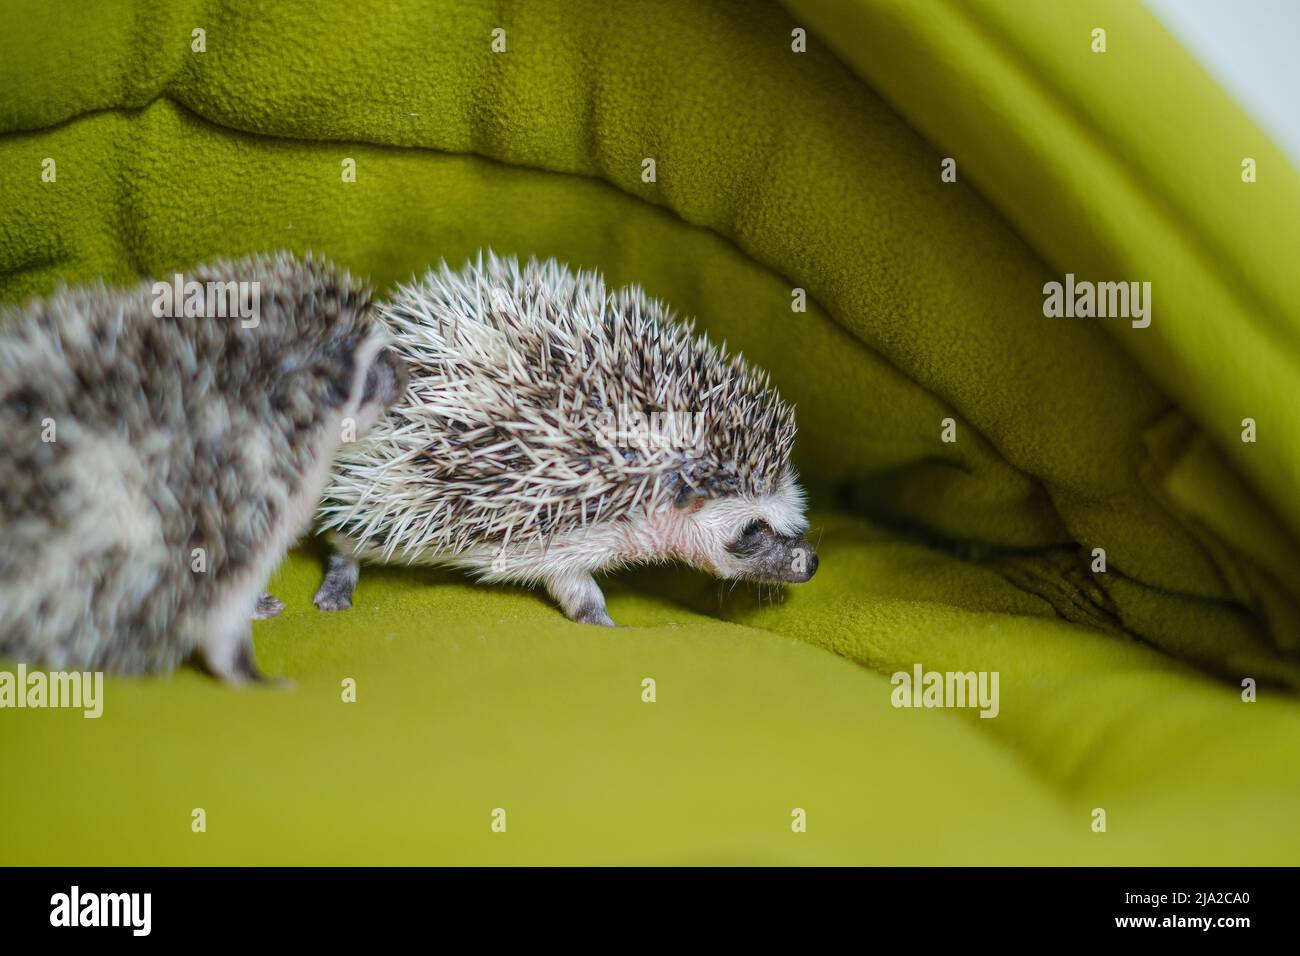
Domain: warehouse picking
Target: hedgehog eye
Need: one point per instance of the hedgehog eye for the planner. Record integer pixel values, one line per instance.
(754, 528)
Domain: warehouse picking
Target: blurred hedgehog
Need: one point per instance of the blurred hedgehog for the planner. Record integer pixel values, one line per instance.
(158, 462)
(550, 431)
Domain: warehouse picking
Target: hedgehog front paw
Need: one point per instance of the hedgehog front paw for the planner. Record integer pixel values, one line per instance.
(579, 597)
(328, 599)
(335, 592)
(593, 614)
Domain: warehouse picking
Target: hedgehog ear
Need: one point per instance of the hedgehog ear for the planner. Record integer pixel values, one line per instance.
(385, 380)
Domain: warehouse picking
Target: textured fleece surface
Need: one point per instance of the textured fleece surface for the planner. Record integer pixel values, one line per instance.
(773, 171)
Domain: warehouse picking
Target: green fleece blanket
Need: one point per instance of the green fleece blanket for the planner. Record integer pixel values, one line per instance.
(778, 179)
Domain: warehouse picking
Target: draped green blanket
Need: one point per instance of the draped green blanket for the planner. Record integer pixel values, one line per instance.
(774, 171)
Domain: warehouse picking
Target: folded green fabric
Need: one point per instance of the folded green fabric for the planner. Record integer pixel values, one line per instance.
(1128, 164)
(790, 157)
(773, 171)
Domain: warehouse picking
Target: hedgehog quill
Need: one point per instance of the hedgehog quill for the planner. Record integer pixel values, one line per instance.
(552, 430)
(159, 467)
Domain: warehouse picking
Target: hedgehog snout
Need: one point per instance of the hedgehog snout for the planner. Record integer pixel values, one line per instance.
(803, 560)
(780, 559)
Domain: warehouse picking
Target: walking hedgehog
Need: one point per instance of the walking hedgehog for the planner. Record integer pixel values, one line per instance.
(551, 430)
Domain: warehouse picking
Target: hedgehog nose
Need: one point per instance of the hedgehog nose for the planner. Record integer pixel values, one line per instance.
(805, 559)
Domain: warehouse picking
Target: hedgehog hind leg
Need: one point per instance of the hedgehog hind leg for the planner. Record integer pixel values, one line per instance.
(335, 593)
(579, 597)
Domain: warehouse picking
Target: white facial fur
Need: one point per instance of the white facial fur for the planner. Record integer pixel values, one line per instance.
(700, 534)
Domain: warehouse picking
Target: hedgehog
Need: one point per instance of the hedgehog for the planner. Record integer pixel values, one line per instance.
(551, 431)
(162, 453)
